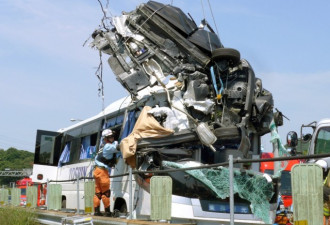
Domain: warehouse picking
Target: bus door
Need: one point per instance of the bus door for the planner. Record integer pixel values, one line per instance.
(48, 147)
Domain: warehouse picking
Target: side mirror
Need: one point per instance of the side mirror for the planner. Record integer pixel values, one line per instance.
(307, 137)
(293, 151)
(278, 118)
(292, 139)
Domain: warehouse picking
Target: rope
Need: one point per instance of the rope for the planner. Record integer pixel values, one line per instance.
(218, 92)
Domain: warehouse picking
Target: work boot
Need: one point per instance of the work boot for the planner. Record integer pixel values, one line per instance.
(107, 212)
(97, 211)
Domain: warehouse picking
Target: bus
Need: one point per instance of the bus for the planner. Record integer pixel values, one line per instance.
(68, 154)
(192, 103)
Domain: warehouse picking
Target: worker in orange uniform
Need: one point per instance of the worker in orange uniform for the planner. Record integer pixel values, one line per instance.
(104, 160)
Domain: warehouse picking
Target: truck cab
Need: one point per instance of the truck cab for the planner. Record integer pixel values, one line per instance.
(317, 142)
(320, 140)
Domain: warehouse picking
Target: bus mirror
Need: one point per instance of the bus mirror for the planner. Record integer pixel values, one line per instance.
(292, 139)
(307, 137)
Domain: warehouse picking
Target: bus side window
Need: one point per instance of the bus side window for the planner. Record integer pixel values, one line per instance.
(88, 146)
(65, 155)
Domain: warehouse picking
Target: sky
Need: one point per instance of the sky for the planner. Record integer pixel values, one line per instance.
(48, 74)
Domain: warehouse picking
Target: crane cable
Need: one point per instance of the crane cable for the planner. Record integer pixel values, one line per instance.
(215, 24)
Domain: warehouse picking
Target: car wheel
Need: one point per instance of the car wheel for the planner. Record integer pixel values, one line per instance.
(230, 54)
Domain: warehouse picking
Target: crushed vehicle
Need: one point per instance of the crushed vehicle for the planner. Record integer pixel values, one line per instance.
(192, 102)
(204, 93)
(191, 82)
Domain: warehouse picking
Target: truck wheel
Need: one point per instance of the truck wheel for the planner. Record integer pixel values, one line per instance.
(230, 54)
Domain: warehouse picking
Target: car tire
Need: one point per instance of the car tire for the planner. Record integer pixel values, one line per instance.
(230, 54)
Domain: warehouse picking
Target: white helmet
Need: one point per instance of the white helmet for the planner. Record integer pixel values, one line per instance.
(322, 164)
(107, 133)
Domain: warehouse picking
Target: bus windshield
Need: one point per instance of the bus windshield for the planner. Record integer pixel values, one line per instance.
(323, 141)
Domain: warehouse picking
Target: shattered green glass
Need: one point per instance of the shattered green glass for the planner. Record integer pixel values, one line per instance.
(279, 148)
(253, 188)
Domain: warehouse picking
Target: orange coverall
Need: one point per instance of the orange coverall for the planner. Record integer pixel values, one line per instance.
(102, 184)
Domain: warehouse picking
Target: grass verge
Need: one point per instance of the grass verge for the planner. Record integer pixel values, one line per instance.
(10, 215)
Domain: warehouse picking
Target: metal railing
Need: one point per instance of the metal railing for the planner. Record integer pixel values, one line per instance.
(230, 163)
(15, 173)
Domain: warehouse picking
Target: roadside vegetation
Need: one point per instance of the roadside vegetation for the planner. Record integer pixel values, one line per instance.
(14, 159)
(17, 216)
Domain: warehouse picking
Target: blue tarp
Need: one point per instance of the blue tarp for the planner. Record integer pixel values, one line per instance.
(129, 125)
(65, 156)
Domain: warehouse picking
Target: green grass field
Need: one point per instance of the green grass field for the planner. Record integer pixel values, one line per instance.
(17, 216)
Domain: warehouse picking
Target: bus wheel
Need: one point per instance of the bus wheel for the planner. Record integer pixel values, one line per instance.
(63, 202)
(116, 213)
(123, 208)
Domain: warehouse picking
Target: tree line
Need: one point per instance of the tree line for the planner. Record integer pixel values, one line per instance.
(14, 159)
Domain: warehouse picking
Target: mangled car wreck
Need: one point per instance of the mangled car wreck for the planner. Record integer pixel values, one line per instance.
(195, 101)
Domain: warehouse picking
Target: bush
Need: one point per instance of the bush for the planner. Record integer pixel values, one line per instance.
(17, 216)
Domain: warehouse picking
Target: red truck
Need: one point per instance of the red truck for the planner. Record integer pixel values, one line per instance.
(285, 188)
(24, 183)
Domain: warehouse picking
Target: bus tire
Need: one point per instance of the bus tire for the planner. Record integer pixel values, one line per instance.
(123, 208)
(116, 213)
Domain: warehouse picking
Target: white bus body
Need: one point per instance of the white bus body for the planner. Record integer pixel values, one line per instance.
(50, 145)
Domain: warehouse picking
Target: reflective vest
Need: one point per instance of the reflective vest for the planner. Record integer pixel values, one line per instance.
(326, 211)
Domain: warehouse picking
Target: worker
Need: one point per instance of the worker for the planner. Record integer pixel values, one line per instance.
(104, 160)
